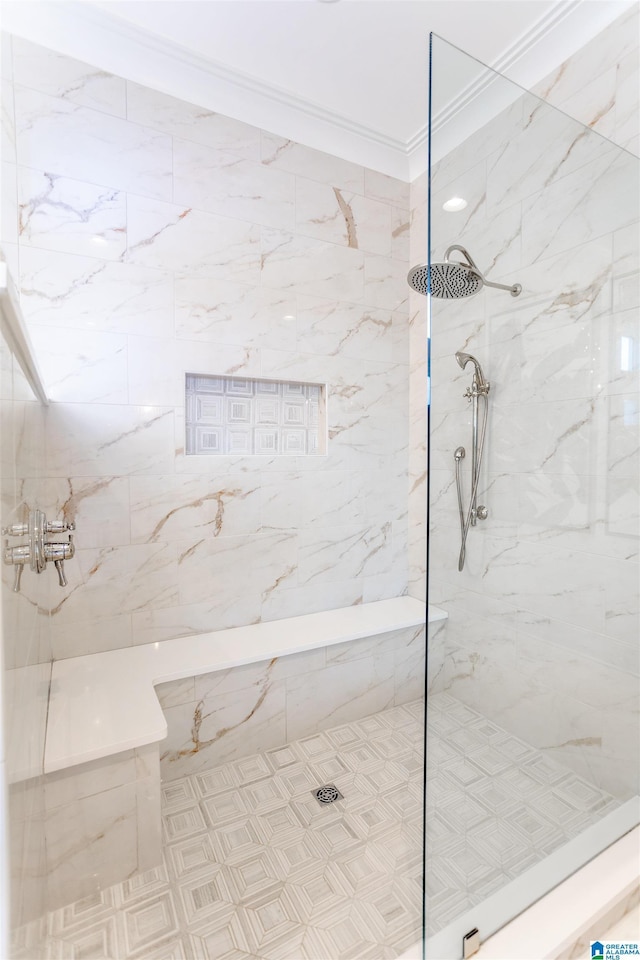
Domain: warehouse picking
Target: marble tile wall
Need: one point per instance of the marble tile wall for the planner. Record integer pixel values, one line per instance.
(24, 639)
(231, 714)
(102, 823)
(25, 653)
(543, 621)
(598, 85)
(156, 239)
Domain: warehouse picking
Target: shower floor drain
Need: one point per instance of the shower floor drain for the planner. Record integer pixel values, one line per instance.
(327, 794)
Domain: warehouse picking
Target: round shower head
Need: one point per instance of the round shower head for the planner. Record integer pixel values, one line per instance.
(449, 281)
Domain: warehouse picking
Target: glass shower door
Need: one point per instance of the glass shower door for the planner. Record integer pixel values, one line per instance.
(532, 735)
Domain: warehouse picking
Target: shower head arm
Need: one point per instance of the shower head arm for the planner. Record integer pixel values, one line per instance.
(513, 288)
(465, 253)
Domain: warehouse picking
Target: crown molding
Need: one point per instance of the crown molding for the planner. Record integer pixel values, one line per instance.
(91, 33)
(556, 36)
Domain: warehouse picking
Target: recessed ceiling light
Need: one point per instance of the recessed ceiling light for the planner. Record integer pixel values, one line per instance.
(454, 204)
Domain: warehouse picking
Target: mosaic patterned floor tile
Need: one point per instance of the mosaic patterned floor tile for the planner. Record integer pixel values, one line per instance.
(256, 869)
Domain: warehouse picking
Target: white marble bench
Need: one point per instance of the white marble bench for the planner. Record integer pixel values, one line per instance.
(104, 703)
(105, 725)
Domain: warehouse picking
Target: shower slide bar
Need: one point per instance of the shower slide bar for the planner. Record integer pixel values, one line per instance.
(478, 391)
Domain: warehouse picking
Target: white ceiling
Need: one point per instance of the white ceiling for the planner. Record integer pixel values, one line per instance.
(349, 77)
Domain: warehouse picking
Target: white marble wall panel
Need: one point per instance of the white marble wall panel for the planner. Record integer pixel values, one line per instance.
(307, 501)
(168, 508)
(223, 183)
(623, 447)
(26, 648)
(152, 108)
(60, 76)
(76, 783)
(123, 579)
(184, 240)
(27, 850)
(210, 686)
(71, 216)
(152, 625)
(332, 696)
(157, 368)
(69, 639)
(331, 327)
(212, 732)
(400, 230)
(84, 144)
(327, 213)
(225, 312)
(577, 711)
(207, 569)
(108, 440)
(303, 265)
(627, 126)
(313, 164)
(87, 293)
(546, 609)
(385, 283)
(599, 199)
(295, 601)
(233, 713)
(81, 366)
(379, 186)
(348, 552)
(102, 824)
(7, 107)
(547, 149)
(598, 84)
(100, 507)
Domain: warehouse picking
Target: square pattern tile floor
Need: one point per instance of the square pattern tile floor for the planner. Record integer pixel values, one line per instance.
(254, 867)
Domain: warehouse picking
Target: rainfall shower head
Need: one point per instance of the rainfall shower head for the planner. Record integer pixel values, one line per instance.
(453, 280)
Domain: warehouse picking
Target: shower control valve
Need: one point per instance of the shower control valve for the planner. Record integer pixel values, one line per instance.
(482, 513)
(37, 551)
(477, 390)
(60, 526)
(59, 552)
(18, 557)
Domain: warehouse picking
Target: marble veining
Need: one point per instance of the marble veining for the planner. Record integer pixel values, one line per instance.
(96, 147)
(71, 216)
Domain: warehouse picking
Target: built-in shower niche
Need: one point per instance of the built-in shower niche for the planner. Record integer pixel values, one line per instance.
(246, 417)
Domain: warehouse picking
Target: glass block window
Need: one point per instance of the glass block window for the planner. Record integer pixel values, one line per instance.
(240, 417)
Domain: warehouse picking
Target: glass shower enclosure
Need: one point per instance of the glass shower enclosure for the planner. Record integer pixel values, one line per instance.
(532, 704)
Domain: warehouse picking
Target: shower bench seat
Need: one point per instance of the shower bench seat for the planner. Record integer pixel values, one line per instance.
(102, 786)
(104, 703)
